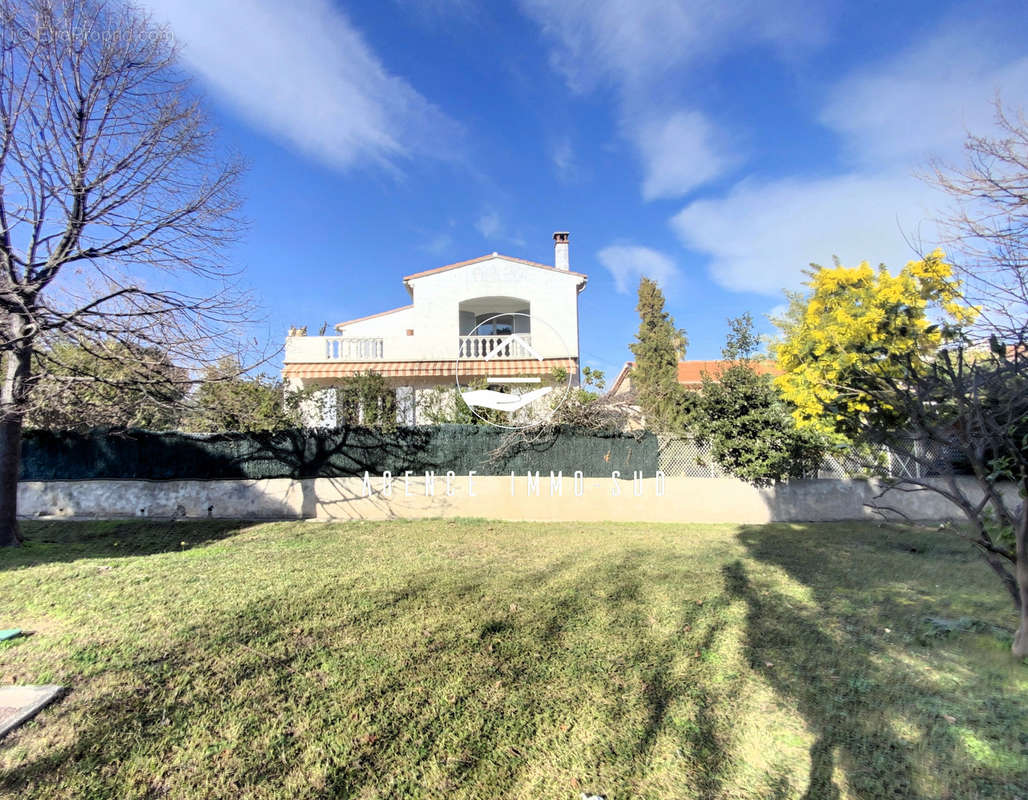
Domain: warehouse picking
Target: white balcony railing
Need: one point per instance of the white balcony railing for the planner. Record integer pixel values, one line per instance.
(306, 349)
(504, 346)
(345, 348)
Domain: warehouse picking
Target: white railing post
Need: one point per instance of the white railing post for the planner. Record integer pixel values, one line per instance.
(475, 347)
(342, 348)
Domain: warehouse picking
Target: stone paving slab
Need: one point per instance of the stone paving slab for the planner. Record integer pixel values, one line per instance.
(19, 704)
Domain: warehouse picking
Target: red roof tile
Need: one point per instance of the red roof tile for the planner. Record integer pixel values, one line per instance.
(690, 373)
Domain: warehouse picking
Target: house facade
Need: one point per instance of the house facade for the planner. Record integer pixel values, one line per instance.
(494, 319)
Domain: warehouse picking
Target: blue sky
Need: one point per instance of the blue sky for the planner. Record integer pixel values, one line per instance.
(717, 147)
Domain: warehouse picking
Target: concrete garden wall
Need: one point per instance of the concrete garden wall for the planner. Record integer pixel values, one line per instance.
(649, 499)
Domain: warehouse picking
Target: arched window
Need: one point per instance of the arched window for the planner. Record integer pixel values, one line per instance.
(495, 316)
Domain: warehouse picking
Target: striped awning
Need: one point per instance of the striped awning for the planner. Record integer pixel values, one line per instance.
(430, 369)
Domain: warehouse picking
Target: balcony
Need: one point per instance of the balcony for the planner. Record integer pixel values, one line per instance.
(494, 346)
(328, 349)
(345, 348)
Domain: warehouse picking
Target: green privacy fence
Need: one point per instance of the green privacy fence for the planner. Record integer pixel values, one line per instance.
(306, 453)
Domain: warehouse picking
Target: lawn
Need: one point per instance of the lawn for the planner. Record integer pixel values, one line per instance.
(475, 659)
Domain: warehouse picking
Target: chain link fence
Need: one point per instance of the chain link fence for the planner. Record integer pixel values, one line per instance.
(687, 458)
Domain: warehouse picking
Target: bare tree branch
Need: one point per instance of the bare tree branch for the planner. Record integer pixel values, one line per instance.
(116, 210)
(987, 227)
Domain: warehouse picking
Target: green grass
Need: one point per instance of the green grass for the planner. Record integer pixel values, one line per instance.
(476, 659)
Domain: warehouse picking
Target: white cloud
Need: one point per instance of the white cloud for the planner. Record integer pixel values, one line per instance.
(438, 244)
(489, 225)
(762, 235)
(306, 76)
(629, 42)
(643, 49)
(562, 154)
(492, 227)
(628, 263)
(679, 153)
(891, 118)
(921, 104)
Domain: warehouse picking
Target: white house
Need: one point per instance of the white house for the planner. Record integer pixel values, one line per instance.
(492, 316)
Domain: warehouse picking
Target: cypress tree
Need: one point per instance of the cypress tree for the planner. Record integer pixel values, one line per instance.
(658, 347)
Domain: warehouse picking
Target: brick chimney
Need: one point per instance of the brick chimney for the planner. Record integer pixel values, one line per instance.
(560, 250)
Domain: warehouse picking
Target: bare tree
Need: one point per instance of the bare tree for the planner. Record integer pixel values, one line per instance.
(584, 408)
(965, 409)
(987, 228)
(125, 388)
(965, 438)
(115, 207)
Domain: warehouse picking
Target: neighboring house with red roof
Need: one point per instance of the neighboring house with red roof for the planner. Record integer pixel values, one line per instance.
(499, 316)
(690, 373)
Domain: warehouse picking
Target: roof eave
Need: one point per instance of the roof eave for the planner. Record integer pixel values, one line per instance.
(340, 325)
(480, 259)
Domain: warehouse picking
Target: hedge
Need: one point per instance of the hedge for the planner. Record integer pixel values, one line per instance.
(324, 453)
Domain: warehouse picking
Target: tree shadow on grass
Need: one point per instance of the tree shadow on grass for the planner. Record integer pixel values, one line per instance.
(642, 680)
(697, 627)
(834, 662)
(370, 696)
(825, 683)
(62, 541)
(481, 681)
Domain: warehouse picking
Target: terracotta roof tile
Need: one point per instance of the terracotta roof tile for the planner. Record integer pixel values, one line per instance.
(690, 373)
